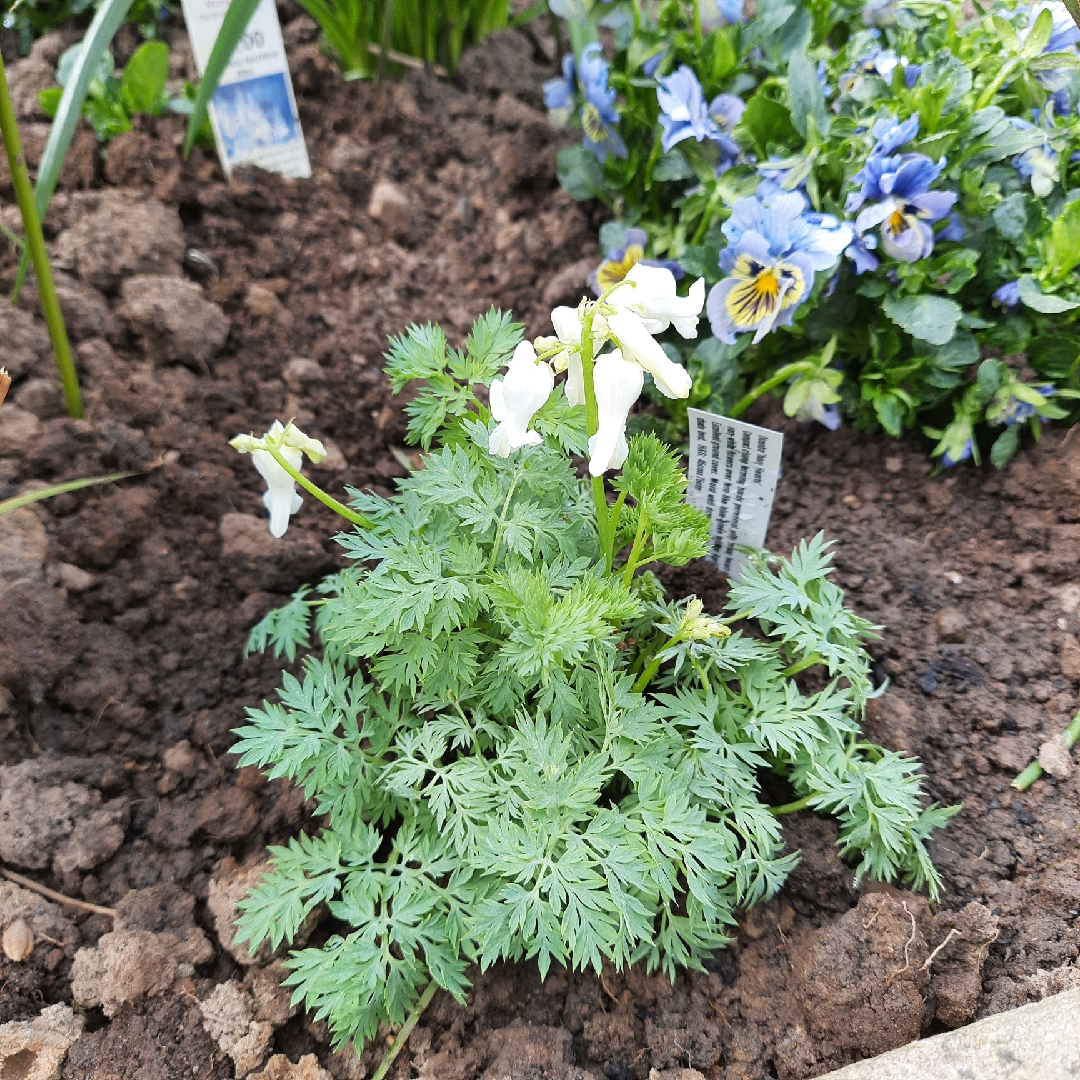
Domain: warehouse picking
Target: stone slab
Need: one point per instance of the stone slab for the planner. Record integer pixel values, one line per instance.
(1040, 1041)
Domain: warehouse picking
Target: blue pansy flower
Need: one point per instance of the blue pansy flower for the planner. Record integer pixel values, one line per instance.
(727, 111)
(559, 93)
(954, 230)
(599, 120)
(861, 252)
(1017, 411)
(649, 67)
(892, 135)
(621, 260)
(964, 454)
(762, 290)
(685, 115)
(788, 226)
(730, 11)
(901, 203)
(1037, 164)
(912, 73)
(1008, 295)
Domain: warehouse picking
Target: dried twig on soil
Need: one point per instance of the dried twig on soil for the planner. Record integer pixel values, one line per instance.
(5, 384)
(52, 894)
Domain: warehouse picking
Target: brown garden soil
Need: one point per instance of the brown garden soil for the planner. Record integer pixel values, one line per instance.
(125, 609)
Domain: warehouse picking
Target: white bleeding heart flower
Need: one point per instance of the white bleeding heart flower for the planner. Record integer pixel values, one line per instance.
(618, 385)
(515, 399)
(653, 296)
(567, 323)
(280, 498)
(639, 346)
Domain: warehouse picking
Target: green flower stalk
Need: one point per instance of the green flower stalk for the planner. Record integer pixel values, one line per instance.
(35, 243)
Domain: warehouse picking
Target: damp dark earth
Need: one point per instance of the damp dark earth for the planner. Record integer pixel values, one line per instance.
(199, 309)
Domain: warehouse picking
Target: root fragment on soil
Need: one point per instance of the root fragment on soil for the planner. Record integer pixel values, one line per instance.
(52, 894)
(907, 947)
(873, 918)
(930, 959)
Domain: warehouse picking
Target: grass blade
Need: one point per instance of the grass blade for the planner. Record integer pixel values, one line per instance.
(96, 41)
(60, 489)
(232, 30)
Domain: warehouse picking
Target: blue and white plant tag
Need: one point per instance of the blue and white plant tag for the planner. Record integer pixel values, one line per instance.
(733, 472)
(253, 111)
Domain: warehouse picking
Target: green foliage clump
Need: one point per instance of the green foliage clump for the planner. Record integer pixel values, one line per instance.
(113, 98)
(436, 31)
(521, 753)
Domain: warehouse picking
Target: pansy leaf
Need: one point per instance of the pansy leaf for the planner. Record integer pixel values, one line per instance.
(931, 318)
(580, 173)
(1034, 298)
(768, 123)
(1054, 355)
(1005, 446)
(672, 166)
(1010, 217)
(804, 91)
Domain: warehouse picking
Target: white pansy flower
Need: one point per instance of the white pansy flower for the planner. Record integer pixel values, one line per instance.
(281, 498)
(639, 346)
(515, 399)
(653, 296)
(618, 385)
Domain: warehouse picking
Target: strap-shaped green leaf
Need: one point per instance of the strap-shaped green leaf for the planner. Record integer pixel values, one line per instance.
(232, 30)
(59, 489)
(94, 45)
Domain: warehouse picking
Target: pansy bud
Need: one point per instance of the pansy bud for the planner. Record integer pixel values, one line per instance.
(292, 444)
(515, 399)
(618, 385)
(638, 345)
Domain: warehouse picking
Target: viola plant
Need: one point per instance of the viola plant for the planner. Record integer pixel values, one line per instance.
(521, 748)
(894, 180)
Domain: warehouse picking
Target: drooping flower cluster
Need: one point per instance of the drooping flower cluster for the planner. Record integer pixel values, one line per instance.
(645, 303)
(291, 444)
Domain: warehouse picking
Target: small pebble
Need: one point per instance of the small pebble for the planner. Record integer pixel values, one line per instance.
(1054, 757)
(18, 941)
(894, 464)
(951, 625)
(954, 577)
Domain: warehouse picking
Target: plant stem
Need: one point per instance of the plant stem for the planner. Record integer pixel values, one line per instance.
(791, 807)
(654, 665)
(697, 23)
(802, 665)
(35, 243)
(313, 489)
(406, 1030)
(502, 522)
(778, 379)
(1035, 770)
(995, 84)
(631, 562)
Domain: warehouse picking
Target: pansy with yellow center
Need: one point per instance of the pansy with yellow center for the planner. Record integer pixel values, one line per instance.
(762, 291)
(619, 261)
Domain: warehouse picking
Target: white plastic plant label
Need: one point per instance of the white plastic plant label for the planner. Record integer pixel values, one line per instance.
(733, 472)
(253, 111)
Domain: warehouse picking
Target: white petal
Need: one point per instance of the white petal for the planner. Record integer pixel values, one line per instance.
(618, 385)
(496, 401)
(672, 380)
(575, 380)
(280, 489)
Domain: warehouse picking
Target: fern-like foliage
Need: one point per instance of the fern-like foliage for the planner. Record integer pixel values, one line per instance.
(523, 755)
